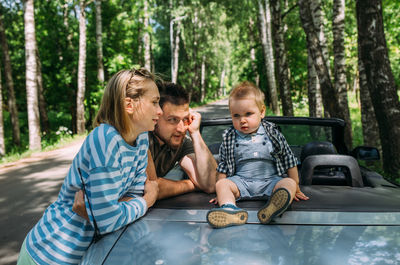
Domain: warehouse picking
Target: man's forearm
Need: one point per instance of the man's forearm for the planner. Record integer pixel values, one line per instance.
(169, 188)
(205, 164)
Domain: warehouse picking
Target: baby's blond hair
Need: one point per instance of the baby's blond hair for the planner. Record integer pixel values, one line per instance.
(247, 89)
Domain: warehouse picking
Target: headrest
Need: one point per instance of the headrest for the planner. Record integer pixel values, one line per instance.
(317, 148)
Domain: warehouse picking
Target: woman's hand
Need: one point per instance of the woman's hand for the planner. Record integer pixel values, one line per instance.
(150, 192)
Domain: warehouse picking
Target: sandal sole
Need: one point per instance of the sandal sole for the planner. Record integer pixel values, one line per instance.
(275, 206)
(223, 218)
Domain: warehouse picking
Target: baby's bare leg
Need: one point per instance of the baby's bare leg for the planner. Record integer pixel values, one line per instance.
(288, 184)
(227, 192)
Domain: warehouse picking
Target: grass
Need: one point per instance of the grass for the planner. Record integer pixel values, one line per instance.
(46, 146)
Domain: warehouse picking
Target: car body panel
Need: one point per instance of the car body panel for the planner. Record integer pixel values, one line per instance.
(149, 241)
(340, 224)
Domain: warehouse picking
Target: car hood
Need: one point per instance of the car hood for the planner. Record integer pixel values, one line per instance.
(182, 237)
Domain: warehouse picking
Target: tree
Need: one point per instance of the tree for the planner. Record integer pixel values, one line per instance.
(2, 145)
(80, 95)
(330, 97)
(374, 56)
(340, 65)
(99, 43)
(266, 41)
(31, 77)
(281, 59)
(42, 102)
(370, 126)
(12, 103)
(146, 37)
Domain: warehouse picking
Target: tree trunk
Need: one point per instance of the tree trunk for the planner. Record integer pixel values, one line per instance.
(203, 79)
(31, 77)
(370, 127)
(281, 59)
(71, 49)
(340, 66)
(222, 82)
(266, 41)
(99, 42)
(380, 81)
(44, 119)
(80, 97)
(329, 96)
(175, 50)
(2, 145)
(146, 37)
(253, 52)
(314, 90)
(12, 103)
(318, 18)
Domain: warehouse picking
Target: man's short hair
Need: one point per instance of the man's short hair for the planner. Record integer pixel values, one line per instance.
(172, 93)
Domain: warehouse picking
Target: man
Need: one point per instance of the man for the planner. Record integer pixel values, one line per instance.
(169, 144)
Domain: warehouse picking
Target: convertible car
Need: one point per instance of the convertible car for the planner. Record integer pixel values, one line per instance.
(352, 216)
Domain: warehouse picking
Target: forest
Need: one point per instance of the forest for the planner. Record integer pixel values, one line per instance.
(332, 58)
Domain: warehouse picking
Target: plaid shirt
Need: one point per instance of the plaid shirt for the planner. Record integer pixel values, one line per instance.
(284, 157)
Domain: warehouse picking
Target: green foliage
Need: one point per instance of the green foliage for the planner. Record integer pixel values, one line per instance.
(223, 33)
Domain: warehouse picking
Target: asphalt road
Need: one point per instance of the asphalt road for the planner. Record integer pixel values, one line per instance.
(29, 186)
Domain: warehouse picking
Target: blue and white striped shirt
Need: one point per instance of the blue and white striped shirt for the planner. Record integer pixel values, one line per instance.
(111, 169)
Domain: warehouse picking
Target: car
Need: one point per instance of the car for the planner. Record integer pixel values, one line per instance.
(352, 216)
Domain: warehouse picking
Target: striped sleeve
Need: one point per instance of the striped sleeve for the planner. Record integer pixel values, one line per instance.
(138, 186)
(103, 190)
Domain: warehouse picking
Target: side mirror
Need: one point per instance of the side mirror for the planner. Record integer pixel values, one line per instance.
(366, 153)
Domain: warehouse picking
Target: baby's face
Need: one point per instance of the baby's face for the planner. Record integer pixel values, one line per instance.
(246, 116)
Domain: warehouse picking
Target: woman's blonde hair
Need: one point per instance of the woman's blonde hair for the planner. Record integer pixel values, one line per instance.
(125, 83)
(247, 89)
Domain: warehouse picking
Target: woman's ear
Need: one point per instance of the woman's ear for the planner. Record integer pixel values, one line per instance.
(129, 105)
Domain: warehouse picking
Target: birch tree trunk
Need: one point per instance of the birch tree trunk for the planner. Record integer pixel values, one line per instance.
(222, 81)
(314, 90)
(375, 59)
(80, 95)
(319, 27)
(146, 37)
(340, 66)
(12, 103)
(253, 52)
(370, 127)
(175, 54)
(266, 41)
(2, 145)
(44, 119)
(281, 59)
(71, 49)
(99, 43)
(31, 74)
(329, 96)
(203, 79)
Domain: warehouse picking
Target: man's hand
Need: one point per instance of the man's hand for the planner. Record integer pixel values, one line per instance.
(150, 192)
(79, 205)
(194, 121)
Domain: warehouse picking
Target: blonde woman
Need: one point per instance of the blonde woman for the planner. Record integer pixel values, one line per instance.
(109, 168)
